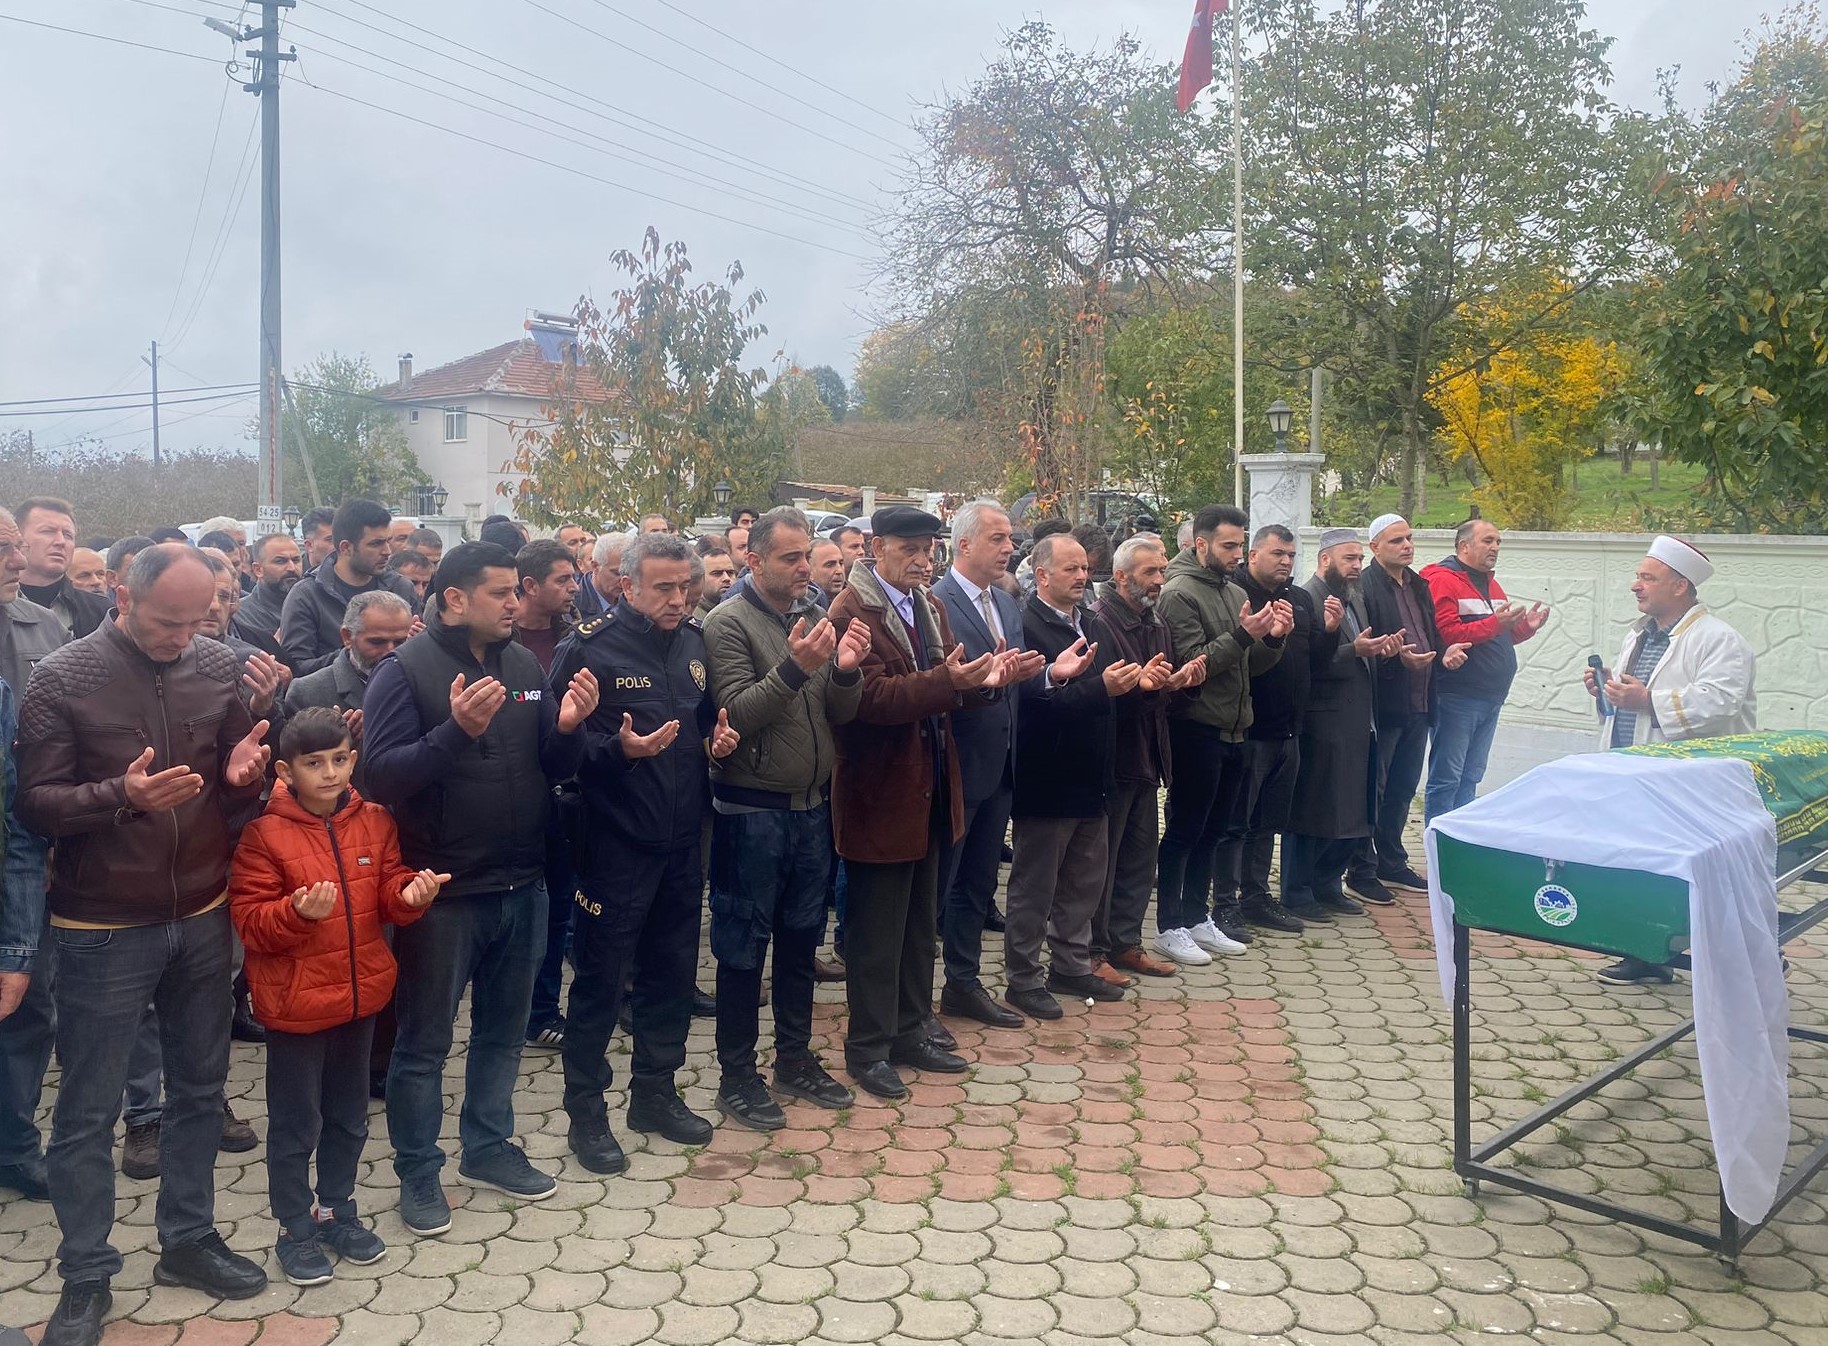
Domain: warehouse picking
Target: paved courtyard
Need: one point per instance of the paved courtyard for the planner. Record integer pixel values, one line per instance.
(1257, 1151)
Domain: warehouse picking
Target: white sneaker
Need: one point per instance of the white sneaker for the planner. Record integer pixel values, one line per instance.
(1179, 946)
(1212, 939)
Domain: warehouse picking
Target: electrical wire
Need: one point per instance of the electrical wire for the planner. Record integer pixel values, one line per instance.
(615, 115)
(47, 402)
(231, 212)
(196, 219)
(592, 177)
(737, 70)
(597, 33)
(775, 60)
(691, 179)
(104, 37)
(145, 405)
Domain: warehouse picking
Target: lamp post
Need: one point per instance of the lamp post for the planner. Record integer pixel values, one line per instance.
(439, 496)
(292, 516)
(1281, 418)
(722, 493)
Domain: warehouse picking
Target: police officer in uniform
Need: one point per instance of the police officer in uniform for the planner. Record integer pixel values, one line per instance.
(645, 798)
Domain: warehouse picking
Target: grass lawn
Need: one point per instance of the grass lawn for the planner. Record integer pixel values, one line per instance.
(1605, 502)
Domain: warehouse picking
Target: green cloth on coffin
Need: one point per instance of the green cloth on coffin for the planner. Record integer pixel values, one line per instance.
(1791, 768)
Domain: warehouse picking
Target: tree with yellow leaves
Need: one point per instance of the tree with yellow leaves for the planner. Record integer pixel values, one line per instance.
(1533, 409)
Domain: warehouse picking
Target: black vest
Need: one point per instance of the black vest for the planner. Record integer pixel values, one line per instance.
(485, 822)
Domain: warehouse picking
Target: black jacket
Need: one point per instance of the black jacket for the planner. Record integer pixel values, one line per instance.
(311, 624)
(79, 610)
(257, 621)
(1065, 738)
(1386, 618)
(1279, 694)
(473, 807)
(1142, 754)
(652, 803)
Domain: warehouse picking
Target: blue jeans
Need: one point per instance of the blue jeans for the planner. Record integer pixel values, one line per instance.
(25, 1053)
(105, 980)
(491, 943)
(1457, 751)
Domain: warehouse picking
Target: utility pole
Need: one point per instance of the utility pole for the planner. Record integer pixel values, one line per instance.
(267, 58)
(154, 362)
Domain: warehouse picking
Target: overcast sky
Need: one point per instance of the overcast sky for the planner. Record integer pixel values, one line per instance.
(402, 236)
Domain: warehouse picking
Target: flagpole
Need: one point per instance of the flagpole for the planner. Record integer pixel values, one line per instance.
(1237, 265)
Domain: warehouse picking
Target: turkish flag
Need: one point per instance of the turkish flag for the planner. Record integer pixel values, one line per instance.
(1196, 62)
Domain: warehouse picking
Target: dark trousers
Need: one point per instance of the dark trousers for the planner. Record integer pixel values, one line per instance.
(1132, 818)
(769, 874)
(489, 943)
(641, 911)
(1315, 867)
(105, 981)
(317, 1103)
(1274, 764)
(888, 958)
(1054, 885)
(1401, 748)
(561, 887)
(1203, 803)
(969, 886)
(26, 1036)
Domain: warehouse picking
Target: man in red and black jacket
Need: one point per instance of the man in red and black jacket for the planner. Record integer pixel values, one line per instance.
(1470, 609)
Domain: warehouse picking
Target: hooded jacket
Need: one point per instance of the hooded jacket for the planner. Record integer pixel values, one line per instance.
(307, 976)
(1201, 609)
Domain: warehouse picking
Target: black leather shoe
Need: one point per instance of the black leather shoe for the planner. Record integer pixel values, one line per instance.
(928, 1055)
(668, 1115)
(596, 1147)
(1312, 914)
(1229, 917)
(27, 1178)
(878, 1078)
(209, 1266)
(77, 1320)
(1083, 988)
(704, 1005)
(1035, 1003)
(993, 920)
(974, 1002)
(1370, 889)
(244, 1027)
(937, 1033)
(1272, 916)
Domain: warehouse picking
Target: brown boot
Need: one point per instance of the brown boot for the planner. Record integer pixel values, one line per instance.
(140, 1155)
(237, 1136)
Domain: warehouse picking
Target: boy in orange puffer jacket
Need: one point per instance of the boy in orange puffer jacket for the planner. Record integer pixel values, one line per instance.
(314, 880)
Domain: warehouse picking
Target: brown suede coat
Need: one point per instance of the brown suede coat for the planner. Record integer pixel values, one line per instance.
(882, 787)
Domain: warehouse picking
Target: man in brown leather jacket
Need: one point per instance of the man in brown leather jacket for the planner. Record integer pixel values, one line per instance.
(136, 753)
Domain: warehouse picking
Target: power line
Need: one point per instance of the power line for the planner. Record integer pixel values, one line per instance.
(706, 84)
(97, 397)
(592, 177)
(775, 60)
(692, 179)
(615, 115)
(104, 37)
(147, 406)
(737, 70)
(231, 212)
(196, 219)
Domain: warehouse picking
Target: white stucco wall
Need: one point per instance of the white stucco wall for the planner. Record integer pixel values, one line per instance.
(471, 470)
(1763, 586)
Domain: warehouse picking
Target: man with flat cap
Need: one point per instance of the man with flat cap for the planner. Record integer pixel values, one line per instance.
(1683, 673)
(896, 797)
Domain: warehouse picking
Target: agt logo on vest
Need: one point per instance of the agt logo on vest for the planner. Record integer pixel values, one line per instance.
(1556, 906)
(531, 695)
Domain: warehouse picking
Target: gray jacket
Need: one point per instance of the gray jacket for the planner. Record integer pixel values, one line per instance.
(784, 714)
(28, 632)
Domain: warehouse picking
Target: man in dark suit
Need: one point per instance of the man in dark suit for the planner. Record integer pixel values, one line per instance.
(984, 619)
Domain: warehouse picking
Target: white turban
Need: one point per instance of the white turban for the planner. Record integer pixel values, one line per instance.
(1685, 559)
(1382, 522)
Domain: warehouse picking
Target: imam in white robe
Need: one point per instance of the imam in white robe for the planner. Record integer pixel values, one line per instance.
(1700, 688)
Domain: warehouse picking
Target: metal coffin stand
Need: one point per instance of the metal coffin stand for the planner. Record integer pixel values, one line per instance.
(1473, 1163)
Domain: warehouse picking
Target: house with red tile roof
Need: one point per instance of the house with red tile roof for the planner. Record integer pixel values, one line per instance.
(460, 418)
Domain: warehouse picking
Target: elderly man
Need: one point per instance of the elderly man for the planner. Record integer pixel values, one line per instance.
(643, 784)
(897, 800)
(400, 535)
(89, 571)
(785, 678)
(1065, 746)
(1683, 673)
(655, 523)
(985, 619)
(136, 749)
(47, 533)
(1207, 613)
(1398, 602)
(606, 573)
(1279, 699)
(28, 634)
(375, 624)
(1329, 816)
(1470, 607)
(1126, 609)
